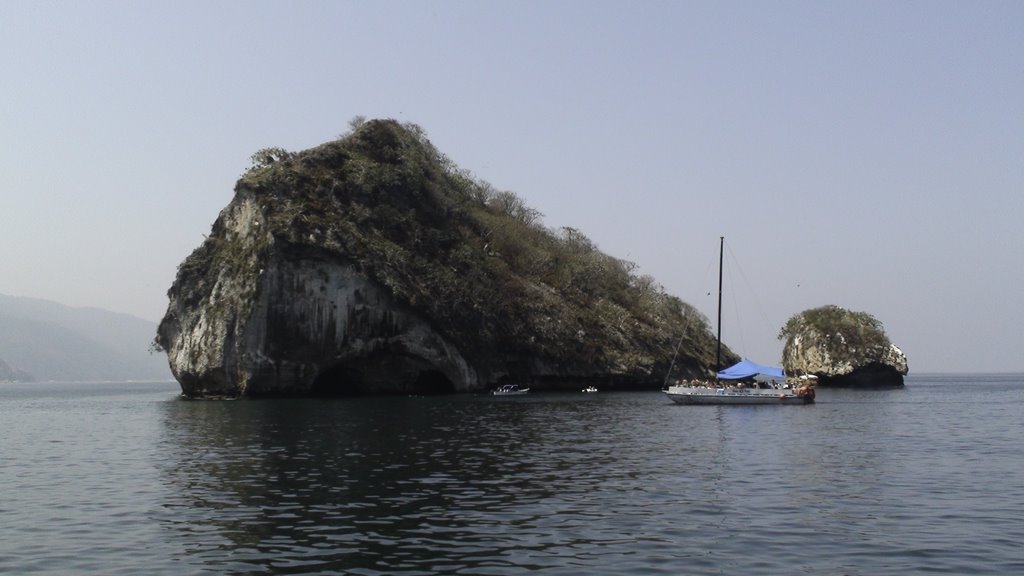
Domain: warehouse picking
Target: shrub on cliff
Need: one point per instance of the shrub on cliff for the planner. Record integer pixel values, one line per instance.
(843, 330)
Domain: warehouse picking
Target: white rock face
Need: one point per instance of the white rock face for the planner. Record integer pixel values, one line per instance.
(274, 322)
(813, 359)
(309, 318)
(897, 359)
(806, 355)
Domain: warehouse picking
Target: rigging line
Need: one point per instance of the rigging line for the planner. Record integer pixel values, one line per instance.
(750, 288)
(682, 336)
(664, 385)
(690, 318)
(705, 282)
(735, 310)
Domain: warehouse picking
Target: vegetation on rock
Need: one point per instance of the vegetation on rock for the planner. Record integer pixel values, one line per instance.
(476, 261)
(843, 331)
(831, 342)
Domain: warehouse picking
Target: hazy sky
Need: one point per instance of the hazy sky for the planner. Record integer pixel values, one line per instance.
(864, 154)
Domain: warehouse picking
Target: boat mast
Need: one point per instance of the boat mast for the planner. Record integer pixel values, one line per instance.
(718, 353)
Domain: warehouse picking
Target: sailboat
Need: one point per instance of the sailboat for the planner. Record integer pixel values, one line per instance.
(724, 391)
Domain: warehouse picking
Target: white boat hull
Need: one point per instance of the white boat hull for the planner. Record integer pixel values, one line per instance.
(510, 390)
(738, 396)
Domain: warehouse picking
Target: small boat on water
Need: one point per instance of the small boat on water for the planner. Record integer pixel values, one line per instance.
(510, 390)
(724, 390)
(589, 389)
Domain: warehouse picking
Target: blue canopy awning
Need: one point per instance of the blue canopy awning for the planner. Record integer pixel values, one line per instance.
(745, 369)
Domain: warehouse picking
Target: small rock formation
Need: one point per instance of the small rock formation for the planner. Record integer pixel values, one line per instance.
(372, 264)
(841, 348)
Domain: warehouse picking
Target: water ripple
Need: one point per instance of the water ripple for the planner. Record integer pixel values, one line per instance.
(892, 482)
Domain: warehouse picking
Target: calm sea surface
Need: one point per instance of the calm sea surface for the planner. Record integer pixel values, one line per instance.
(130, 479)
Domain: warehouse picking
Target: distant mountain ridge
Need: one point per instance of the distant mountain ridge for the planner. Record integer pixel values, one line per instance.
(8, 374)
(42, 340)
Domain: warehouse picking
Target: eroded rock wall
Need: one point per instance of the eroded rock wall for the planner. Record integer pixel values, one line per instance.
(314, 326)
(323, 327)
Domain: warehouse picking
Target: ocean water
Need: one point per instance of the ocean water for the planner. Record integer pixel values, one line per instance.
(131, 479)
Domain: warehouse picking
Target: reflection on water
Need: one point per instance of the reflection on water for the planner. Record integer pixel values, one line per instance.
(414, 484)
(127, 479)
(615, 483)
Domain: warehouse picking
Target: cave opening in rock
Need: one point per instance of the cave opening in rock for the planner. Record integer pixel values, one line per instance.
(381, 374)
(433, 382)
(337, 380)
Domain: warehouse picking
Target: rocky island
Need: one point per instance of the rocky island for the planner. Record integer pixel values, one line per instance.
(841, 348)
(373, 264)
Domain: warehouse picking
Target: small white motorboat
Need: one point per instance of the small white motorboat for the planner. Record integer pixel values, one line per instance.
(510, 390)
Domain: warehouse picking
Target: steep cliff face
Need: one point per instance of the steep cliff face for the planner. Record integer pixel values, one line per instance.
(842, 348)
(372, 265)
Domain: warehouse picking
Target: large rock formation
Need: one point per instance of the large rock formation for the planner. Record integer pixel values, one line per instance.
(371, 264)
(841, 348)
